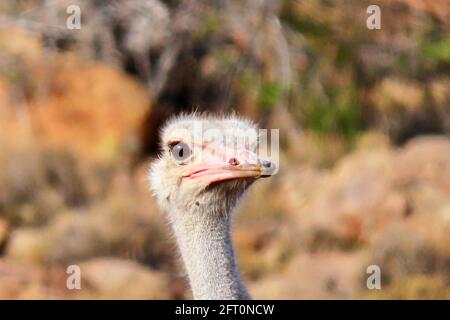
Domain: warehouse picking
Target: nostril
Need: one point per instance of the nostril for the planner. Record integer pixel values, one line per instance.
(233, 161)
(266, 164)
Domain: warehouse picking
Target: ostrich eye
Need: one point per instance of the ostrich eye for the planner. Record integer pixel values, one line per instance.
(181, 151)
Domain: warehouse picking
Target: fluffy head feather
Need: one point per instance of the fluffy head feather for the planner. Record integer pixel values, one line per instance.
(221, 166)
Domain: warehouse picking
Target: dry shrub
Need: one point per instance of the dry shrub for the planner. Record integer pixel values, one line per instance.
(38, 184)
(415, 247)
(414, 287)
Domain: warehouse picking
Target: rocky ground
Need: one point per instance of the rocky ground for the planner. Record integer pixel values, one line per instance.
(78, 128)
(309, 232)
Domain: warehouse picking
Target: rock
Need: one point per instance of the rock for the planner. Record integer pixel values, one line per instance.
(367, 191)
(415, 287)
(373, 140)
(328, 275)
(123, 225)
(28, 245)
(398, 94)
(416, 246)
(104, 133)
(425, 159)
(108, 278)
(21, 280)
(403, 109)
(116, 228)
(349, 201)
(261, 249)
(389, 204)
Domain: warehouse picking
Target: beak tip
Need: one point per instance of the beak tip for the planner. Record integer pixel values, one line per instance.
(268, 168)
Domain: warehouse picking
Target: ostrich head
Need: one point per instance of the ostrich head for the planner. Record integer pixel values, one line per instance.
(207, 162)
(206, 165)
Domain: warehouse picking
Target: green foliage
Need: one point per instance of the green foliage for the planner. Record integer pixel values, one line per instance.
(337, 113)
(345, 53)
(302, 23)
(246, 80)
(436, 51)
(269, 95)
(224, 58)
(208, 25)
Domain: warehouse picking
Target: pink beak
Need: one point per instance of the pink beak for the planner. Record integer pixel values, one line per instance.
(213, 172)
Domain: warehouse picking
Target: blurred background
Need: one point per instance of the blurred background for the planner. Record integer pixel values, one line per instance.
(364, 119)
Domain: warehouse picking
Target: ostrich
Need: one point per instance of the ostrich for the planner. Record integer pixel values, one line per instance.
(207, 164)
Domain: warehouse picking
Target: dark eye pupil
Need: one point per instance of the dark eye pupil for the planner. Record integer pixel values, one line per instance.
(181, 151)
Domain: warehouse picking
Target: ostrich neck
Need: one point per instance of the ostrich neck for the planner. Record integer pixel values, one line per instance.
(204, 240)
